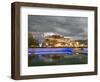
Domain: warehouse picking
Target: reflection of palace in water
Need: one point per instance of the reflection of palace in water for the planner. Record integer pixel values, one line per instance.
(50, 39)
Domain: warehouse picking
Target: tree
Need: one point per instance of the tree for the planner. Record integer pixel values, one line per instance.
(32, 42)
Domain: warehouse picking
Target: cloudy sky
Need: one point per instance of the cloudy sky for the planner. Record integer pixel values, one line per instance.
(75, 27)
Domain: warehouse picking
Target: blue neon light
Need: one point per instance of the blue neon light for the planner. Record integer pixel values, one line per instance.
(41, 51)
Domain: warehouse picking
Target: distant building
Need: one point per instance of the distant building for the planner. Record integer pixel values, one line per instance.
(50, 39)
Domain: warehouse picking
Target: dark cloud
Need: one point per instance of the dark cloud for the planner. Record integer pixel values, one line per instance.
(75, 27)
